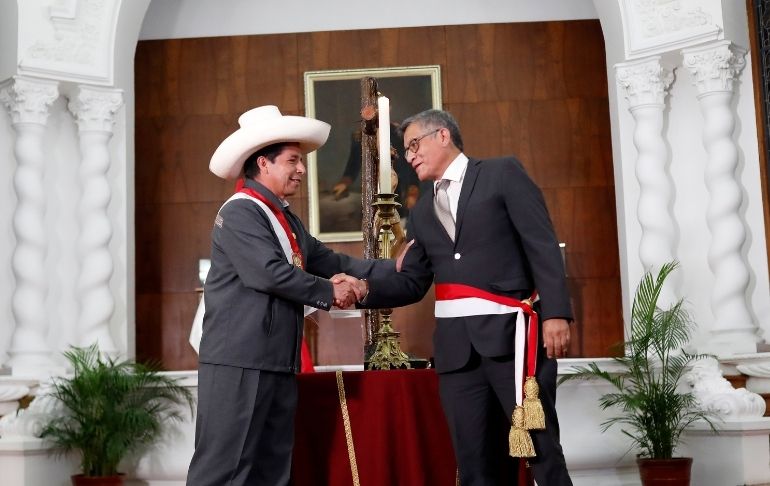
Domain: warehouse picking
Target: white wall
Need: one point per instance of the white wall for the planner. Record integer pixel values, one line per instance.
(170, 19)
(7, 202)
(122, 178)
(9, 27)
(626, 189)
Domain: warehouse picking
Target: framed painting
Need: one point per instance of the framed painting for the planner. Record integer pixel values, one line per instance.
(334, 171)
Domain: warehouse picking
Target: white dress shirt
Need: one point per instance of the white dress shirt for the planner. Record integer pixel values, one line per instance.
(455, 173)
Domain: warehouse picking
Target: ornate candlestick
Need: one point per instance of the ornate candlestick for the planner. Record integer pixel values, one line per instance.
(387, 352)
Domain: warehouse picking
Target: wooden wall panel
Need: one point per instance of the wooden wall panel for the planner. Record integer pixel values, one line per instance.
(761, 115)
(353, 49)
(164, 328)
(171, 152)
(537, 90)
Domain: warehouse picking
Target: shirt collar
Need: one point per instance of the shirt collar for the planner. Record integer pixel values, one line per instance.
(456, 169)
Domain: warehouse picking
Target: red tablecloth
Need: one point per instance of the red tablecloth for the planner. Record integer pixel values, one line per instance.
(399, 430)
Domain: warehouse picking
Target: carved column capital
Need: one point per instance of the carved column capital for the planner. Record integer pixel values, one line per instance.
(644, 82)
(714, 66)
(95, 108)
(28, 100)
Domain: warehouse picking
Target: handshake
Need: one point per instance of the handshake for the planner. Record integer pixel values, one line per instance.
(348, 290)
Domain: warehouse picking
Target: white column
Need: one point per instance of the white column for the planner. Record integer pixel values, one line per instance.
(28, 102)
(714, 67)
(94, 109)
(644, 84)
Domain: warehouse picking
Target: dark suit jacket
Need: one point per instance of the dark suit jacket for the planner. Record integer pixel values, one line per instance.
(504, 243)
(254, 297)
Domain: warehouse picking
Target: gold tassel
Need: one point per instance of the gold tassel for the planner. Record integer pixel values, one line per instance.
(519, 441)
(534, 417)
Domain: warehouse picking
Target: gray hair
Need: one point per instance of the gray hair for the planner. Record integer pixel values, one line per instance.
(435, 119)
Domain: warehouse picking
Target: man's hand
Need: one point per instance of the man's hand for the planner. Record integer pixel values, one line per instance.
(353, 290)
(556, 337)
(344, 295)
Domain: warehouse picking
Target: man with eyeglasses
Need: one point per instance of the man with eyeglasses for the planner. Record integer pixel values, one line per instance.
(407, 186)
(485, 238)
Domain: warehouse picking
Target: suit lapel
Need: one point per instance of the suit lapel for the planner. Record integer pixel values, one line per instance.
(471, 173)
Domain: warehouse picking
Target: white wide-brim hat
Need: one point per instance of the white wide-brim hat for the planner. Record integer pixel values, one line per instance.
(260, 127)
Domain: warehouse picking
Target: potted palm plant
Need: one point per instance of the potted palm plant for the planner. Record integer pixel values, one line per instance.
(654, 410)
(111, 408)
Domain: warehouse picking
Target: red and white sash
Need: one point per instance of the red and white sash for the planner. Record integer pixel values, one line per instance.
(458, 300)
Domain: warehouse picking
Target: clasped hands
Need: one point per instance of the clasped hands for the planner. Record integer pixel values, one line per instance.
(348, 290)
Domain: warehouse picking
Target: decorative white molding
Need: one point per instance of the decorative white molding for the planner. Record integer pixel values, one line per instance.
(760, 370)
(80, 48)
(28, 101)
(9, 397)
(29, 422)
(659, 26)
(756, 366)
(11, 391)
(717, 395)
(715, 66)
(64, 9)
(566, 366)
(94, 109)
(659, 17)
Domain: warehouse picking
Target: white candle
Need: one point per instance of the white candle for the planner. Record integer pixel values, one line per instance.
(383, 137)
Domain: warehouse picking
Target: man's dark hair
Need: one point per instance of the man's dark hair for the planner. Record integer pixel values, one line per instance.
(432, 119)
(270, 152)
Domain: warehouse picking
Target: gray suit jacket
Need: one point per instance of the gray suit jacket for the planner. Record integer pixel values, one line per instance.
(504, 244)
(255, 298)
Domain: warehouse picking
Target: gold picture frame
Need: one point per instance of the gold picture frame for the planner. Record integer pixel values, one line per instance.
(335, 97)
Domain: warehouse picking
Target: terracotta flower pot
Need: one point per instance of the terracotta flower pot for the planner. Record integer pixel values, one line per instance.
(665, 472)
(80, 480)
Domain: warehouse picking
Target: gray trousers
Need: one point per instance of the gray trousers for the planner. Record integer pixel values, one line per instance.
(244, 431)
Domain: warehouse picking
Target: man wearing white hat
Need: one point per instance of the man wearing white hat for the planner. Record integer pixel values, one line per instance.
(265, 267)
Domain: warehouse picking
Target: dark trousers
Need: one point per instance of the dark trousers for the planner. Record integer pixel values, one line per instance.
(244, 431)
(474, 399)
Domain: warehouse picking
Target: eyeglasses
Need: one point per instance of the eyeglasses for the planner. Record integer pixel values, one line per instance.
(414, 144)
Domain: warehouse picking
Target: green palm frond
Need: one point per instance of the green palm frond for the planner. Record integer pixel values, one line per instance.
(654, 414)
(111, 409)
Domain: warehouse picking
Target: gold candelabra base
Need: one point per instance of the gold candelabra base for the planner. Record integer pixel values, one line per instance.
(387, 352)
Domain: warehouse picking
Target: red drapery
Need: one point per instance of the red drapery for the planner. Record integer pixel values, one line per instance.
(399, 431)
